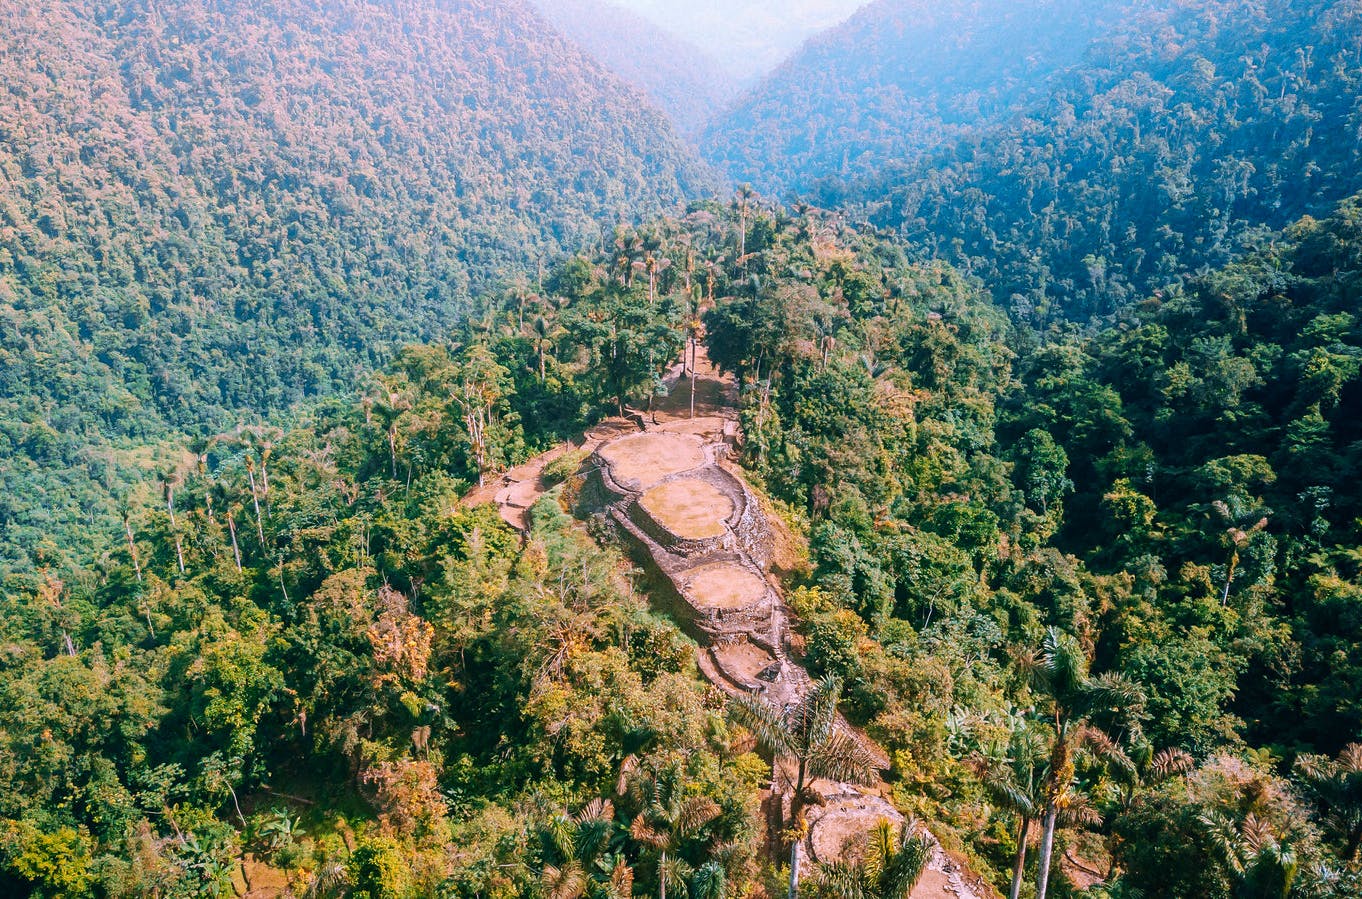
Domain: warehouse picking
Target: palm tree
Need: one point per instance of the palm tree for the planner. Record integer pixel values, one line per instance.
(742, 202)
(170, 479)
(1264, 865)
(1337, 785)
(542, 334)
(1237, 536)
(668, 817)
(890, 865)
(577, 860)
(808, 733)
(1073, 699)
(1018, 787)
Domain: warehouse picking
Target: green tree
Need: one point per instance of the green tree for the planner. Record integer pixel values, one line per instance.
(1072, 701)
(809, 734)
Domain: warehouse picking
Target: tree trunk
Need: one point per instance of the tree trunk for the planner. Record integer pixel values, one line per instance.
(794, 869)
(255, 502)
(132, 549)
(1019, 865)
(1229, 580)
(236, 549)
(174, 526)
(662, 876)
(1047, 845)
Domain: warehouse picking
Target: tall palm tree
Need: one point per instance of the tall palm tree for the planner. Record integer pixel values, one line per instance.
(808, 733)
(1072, 700)
(543, 332)
(1240, 533)
(890, 865)
(1337, 785)
(170, 479)
(1019, 787)
(668, 817)
(742, 203)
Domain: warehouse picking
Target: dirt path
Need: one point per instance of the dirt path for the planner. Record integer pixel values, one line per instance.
(662, 482)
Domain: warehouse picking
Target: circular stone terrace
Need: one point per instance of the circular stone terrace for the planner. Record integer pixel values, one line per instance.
(723, 586)
(689, 509)
(640, 461)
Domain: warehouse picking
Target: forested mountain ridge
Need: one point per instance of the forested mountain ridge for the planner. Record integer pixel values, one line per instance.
(211, 207)
(1074, 156)
(683, 80)
(1179, 138)
(897, 79)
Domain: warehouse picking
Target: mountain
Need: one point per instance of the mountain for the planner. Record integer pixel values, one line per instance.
(896, 79)
(749, 37)
(1074, 157)
(685, 82)
(1180, 139)
(217, 206)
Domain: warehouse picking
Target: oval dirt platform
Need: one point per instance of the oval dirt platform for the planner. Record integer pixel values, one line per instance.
(689, 508)
(639, 461)
(724, 586)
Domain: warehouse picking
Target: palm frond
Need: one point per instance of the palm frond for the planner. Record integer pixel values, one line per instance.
(565, 882)
(676, 874)
(620, 884)
(765, 721)
(842, 757)
(644, 833)
(1062, 667)
(593, 837)
(812, 721)
(1009, 794)
(1102, 747)
(906, 867)
(1170, 763)
(694, 813)
(597, 809)
(881, 843)
(709, 881)
(1079, 812)
(840, 880)
(1114, 692)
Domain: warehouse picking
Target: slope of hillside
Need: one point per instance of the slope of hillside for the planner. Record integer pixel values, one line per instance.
(683, 81)
(216, 206)
(1171, 148)
(899, 77)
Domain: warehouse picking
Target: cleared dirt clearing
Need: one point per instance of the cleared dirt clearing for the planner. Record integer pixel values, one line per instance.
(645, 459)
(690, 509)
(724, 585)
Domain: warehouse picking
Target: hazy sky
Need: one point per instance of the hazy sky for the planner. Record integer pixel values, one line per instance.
(749, 36)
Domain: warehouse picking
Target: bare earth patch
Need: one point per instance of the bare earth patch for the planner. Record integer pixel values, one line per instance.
(724, 585)
(692, 510)
(645, 459)
(836, 834)
(746, 659)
